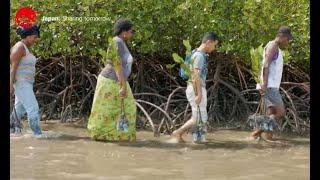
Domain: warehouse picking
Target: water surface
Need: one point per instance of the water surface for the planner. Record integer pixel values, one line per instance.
(69, 153)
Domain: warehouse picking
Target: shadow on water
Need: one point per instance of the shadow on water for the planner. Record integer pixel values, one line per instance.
(222, 141)
(295, 142)
(68, 137)
(158, 144)
(212, 144)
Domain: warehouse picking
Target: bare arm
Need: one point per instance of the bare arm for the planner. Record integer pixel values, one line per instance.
(15, 57)
(197, 82)
(270, 52)
(120, 74)
(197, 65)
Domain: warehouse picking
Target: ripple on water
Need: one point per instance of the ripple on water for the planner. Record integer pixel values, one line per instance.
(226, 156)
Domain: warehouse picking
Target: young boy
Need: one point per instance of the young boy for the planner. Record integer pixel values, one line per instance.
(196, 90)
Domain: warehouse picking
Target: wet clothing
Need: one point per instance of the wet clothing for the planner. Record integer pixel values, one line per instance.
(106, 122)
(106, 111)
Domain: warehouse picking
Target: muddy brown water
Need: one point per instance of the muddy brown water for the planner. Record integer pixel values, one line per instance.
(69, 153)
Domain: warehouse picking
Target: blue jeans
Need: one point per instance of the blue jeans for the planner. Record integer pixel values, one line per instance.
(26, 102)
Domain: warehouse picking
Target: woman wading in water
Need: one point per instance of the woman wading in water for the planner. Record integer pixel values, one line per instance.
(113, 113)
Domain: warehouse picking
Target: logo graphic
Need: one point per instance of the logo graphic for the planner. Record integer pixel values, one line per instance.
(26, 17)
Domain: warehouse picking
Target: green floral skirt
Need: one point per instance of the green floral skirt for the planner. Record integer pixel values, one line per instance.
(106, 111)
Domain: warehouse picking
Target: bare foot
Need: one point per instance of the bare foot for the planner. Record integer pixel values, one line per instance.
(182, 140)
(253, 138)
(175, 138)
(270, 136)
(196, 142)
(257, 133)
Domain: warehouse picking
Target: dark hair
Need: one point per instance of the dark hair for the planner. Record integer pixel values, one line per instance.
(209, 36)
(24, 32)
(122, 25)
(284, 31)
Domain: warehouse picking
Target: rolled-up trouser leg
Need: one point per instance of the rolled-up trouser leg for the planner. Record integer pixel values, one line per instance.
(16, 115)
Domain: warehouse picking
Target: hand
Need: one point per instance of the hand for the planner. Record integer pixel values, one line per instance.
(197, 99)
(263, 90)
(11, 90)
(123, 93)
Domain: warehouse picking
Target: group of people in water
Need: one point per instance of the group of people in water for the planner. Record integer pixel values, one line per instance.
(113, 112)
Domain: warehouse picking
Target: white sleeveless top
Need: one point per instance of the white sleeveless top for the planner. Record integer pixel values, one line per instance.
(275, 70)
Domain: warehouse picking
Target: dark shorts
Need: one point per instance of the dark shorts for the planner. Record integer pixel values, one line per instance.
(273, 97)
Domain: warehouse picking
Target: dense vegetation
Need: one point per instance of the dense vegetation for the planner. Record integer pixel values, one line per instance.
(71, 50)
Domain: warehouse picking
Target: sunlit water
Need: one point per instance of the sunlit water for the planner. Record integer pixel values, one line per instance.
(69, 153)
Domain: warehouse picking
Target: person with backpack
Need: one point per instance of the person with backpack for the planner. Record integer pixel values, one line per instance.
(196, 88)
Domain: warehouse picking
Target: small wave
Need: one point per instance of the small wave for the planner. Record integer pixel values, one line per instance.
(44, 135)
(50, 134)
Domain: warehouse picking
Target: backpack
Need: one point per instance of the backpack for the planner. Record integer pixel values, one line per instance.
(187, 59)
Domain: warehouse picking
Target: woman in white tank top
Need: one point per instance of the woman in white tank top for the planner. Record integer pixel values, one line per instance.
(21, 82)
